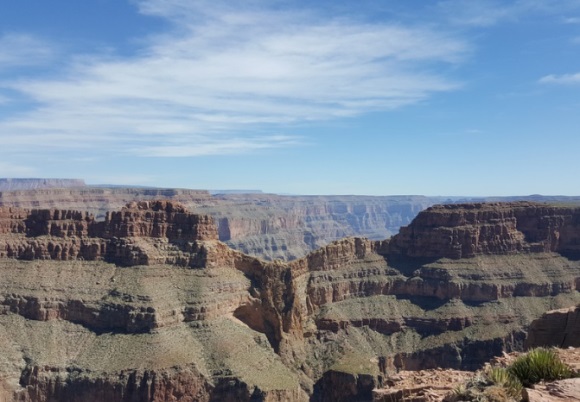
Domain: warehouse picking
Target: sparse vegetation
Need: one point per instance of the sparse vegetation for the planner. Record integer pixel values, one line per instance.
(507, 384)
(539, 365)
(505, 379)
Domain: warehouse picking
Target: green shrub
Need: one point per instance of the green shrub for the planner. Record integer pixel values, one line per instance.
(495, 385)
(503, 378)
(539, 365)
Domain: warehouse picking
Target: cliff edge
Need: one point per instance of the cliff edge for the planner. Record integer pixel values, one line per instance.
(148, 305)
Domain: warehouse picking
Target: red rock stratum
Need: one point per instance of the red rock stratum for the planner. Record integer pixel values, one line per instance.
(148, 304)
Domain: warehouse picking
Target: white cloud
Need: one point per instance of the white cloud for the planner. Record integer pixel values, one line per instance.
(485, 13)
(223, 146)
(477, 13)
(222, 73)
(19, 50)
(561, 79)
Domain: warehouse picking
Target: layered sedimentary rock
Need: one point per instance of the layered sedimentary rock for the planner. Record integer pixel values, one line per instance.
(121, 310)
(98, 201)
(141, 234)
(148, 304)
(560, 328)
(265, 225)
(467, 230)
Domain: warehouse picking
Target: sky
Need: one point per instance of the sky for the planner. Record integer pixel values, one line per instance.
(453, 97)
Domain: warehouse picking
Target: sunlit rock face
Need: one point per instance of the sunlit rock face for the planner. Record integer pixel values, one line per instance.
(147, 304)
(560, 328)
(264, 225)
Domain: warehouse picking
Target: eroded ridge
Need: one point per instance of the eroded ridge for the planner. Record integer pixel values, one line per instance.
(143, 233)
(148, 305)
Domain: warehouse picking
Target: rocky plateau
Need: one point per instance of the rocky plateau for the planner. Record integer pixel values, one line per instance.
(147, 304)
(268, 226)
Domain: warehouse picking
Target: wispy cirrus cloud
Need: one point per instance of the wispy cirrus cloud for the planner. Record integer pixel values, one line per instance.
(565, 79)
(220, 146)
(485, 13)
(477, 13)
(224, 78)
(21, 50)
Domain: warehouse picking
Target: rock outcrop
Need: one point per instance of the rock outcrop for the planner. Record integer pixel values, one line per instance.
(441, 385)
(264, 225)
(467, 230)
(557, 391)
(560, 328)
(147, 304)
(144, 233)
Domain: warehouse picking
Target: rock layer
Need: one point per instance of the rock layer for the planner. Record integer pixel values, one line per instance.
(265, 225)
(148, 304)
(560, 328)
(467, 230)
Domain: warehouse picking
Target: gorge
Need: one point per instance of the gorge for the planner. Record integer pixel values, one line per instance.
(147, 304)
(268, 226)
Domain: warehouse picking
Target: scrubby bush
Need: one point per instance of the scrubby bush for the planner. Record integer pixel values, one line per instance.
(506, 384)
(501, 377)
(539, 365)
(495, 385)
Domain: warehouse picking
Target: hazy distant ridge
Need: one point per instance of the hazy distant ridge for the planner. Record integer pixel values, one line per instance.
(8, 184)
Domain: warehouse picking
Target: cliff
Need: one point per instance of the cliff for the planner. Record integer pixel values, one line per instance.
(141, 234)
(467, 230)
(441, 385)
(560, 328)
(148, 305)
(30, 184)
(265, 225)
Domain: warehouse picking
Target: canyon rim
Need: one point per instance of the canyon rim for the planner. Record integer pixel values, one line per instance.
(148, 305)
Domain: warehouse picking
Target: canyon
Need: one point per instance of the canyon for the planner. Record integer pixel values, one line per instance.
(268, 226)
(147, 304)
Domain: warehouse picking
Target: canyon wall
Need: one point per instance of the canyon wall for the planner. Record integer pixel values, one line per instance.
(559, 328)
(265, 225)
(148, 304)
(466, 230)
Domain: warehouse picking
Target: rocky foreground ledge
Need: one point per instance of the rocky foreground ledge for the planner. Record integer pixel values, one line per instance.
(442, 385)
(148, 305)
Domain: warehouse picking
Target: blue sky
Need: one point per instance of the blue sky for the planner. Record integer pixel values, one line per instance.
(328, 97)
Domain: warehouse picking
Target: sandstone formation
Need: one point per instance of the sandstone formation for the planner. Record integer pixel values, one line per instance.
(557, 391)
(560, 328)
(439, 385)
(148, 305)
(265, 225)
(466, 230)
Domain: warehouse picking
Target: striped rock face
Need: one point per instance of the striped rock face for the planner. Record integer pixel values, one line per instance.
(148, 304)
